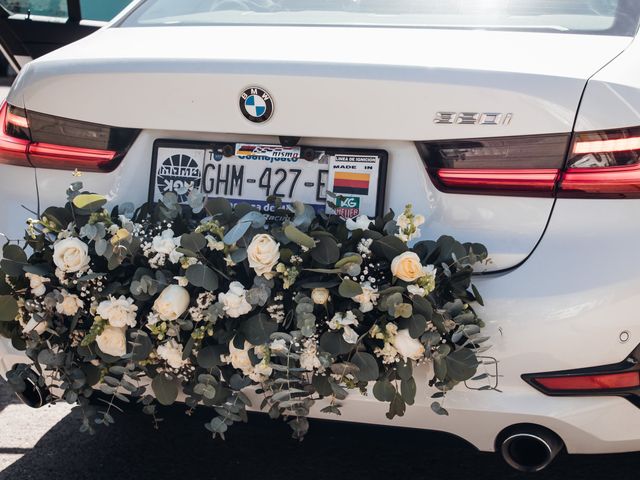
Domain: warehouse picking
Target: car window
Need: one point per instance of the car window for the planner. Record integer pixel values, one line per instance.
(49, 8)
(613, 17)
(103, 10)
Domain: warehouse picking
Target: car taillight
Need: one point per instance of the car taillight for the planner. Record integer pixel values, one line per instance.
(14, 141)
(611, 381)
(45, 141)
(598, 164)
(497, 166)
(621, 379)
(603, 164)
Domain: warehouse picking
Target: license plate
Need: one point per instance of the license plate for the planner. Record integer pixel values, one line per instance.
(251, 173)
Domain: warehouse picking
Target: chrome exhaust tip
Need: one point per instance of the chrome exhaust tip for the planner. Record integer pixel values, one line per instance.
(530, 448)
(33, 395)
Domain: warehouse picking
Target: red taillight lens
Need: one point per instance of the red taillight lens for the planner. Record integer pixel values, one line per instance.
(600, 164)
(45, 141)
(611, 381)
(504, 181)
(13, 150)
(527, 166)
(603, 164)
(44, 155)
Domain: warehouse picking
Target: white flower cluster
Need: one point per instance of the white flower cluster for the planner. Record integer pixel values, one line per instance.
(398, 344)
(235, 301)
(408, 225)
(345, 322)
(368, 298)
(120, 313)
(199, 312)
(163, 247)
(239, 358)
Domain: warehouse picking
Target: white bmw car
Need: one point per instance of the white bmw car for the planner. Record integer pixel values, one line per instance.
(515, 123)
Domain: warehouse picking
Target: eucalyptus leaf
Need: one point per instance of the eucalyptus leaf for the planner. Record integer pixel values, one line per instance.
(333, 343)
(8, 308)
(349, 289)
(209, 356)
(193, 242)
(202, 276)
(165, 389)
(89, 202)
(384, 391)
(389, 247)
(14, 260)
(236, 233)
(296, 236)
(259, 328)
(408, 389)
(367, 365)
(326, 251)
(461, 365)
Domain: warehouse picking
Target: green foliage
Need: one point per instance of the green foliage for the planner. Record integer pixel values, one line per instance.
(211, 339)
(202, 276)
(165, 389)
(8, 308)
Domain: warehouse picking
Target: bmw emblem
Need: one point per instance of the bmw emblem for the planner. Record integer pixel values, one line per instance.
(256, 105)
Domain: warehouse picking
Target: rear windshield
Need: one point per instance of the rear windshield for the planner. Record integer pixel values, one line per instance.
(607, 17)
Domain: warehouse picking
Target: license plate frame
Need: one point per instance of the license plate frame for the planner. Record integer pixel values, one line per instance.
(338, 157)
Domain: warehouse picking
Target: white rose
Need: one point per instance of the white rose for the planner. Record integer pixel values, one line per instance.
(71, 255)
(37, 284)
(235, 301)
(165, 243)
(172, 353)
(263, 253)
(239, 357)
(70, 304)
(172, 302)
(360, 223)
(113, 341)
(408, 347)
(120, 312)
(320, 296)
(407, 267)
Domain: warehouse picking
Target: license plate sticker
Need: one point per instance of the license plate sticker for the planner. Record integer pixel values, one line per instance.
(354, 180)
(251, 173)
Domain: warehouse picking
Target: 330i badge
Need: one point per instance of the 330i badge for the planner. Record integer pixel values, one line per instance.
(254, 172)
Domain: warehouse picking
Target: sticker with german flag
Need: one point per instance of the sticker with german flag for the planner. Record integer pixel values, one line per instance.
(351, 183)
(353, 180)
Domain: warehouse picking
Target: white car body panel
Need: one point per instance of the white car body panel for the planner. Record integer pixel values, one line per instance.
(205, 69)
(188, 79)
(563, 308)
(612, 96)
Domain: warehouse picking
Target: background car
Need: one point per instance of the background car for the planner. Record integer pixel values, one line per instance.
(32, 28)
(510, 123)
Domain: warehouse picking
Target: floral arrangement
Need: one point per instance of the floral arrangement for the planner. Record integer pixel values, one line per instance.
(205, 301)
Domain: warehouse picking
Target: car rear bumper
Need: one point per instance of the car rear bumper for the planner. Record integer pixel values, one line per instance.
(564, 308)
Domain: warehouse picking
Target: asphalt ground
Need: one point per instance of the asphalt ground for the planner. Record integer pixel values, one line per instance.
(45, 444)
